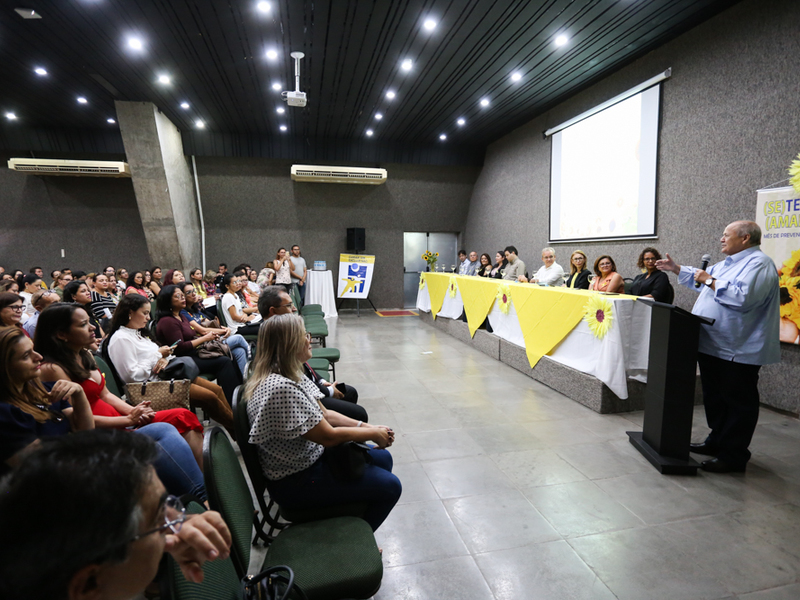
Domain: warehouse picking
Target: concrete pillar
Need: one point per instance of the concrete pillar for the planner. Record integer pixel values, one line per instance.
(163, 184)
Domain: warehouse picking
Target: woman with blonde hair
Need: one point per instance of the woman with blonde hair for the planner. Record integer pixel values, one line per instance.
(578, 272)
(298, 439)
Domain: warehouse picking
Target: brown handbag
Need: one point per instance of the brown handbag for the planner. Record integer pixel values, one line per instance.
(213, 349)
(162, 395)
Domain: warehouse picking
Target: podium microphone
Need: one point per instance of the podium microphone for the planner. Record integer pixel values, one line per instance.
(706, 259)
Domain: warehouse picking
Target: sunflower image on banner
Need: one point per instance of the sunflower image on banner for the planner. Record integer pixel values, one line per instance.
(421, 280)
(452, 287)
(599, 316)
(504, 297)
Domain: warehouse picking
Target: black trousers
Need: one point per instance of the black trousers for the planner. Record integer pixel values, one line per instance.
(348, 409)
(730, 395)
(224, 370)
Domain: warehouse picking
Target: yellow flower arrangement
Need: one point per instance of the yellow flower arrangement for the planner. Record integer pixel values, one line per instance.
(794, 174)
(598, 315)
(504, 297)
(431, 258)
(451, 289)
(421, 280)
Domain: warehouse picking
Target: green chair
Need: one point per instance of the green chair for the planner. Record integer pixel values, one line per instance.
(111, 380)
(306, 309)
(322, 367)
(330, 354)
(331, 559)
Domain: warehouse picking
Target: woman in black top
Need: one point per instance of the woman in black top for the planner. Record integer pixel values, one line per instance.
(497, 270)
(578, 273)
(485, 270)
(652, 283)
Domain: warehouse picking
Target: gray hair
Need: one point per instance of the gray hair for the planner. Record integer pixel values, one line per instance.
(743, 228)
(549, 249)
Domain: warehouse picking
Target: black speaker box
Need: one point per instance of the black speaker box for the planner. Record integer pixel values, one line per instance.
(356, 239)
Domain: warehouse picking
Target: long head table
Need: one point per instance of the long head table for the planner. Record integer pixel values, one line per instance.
(611, 346)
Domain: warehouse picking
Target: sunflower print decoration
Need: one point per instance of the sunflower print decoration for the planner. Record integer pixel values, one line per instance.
(794, 174)
(504, 297)
(421, 280)
(451, 289)
(599, 315)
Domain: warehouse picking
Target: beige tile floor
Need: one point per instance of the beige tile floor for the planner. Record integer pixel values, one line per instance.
(512, 491)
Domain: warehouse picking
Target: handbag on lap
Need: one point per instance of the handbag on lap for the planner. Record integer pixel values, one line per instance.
(162, 395)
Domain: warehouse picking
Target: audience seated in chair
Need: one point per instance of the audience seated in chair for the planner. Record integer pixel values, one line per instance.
(77, 291)
(41, 300)
(240, 319)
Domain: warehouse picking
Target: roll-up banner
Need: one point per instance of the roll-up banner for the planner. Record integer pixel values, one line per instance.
(355, 276)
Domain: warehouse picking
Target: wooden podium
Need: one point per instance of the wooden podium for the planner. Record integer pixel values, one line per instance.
(669, 398)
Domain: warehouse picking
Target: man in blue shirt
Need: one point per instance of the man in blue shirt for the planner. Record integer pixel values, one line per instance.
(742, 295)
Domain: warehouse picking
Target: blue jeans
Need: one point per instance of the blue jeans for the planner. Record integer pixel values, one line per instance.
(301, 289)
(316, 487)
(175, 465)
(239, 349)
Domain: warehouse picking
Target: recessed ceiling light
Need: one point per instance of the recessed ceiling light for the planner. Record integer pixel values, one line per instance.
(429, 24)
(378, 116)
(443, 137)
(200, 124)
(280, 110)
(184, 105)
(263, 7)
(135, 43)
(406, 64)
(272, 54)
(283, 127)
(461, 122)
(164, 79)
(82, 100)
(277, 87)
(516, 76)
(11, 116)
(485, 102)
(369, 132)
(112, 121)
(390, 95)
(40, 71)
(561, 40)
(27, 13)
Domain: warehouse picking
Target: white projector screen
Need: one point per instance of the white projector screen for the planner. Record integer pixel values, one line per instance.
(603, 173)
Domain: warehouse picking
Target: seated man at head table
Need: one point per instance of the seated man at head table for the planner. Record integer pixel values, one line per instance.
(515, 266)
(551, 273)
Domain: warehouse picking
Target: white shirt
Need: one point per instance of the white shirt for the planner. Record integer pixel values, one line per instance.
(229, 300)
(280, 412)
(133, 356)
(549, 275)
(27, 307)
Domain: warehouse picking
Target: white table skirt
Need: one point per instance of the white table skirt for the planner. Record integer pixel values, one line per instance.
(621, 353)
(320, 291)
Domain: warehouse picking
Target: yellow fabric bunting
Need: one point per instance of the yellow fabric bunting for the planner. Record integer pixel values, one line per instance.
(546, 316)
(437, 287)
(503, 296)
(599, 315)
(452, 286)
(478, 295)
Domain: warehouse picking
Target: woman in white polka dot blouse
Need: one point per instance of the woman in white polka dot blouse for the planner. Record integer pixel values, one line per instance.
(293, 430)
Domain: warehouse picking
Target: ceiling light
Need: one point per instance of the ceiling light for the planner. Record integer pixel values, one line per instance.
(461, 122)
(11, 116)
(443, 137)
(378, 116)
(429, 24)
(406, 64)
(283, 127)
(184, 105)
(280, 110)
(40, 71)
(135, 43)
(516, 76)
(561, 40)
(277, 87)
(82, 100)
(369, 132)
(390, 95)
(200, 124)
(263, 7)
(112, 121)
(27, 13)
(272, 54)
(485, 102)
(164, 79)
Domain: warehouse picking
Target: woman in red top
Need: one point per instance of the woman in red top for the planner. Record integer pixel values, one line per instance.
(64, 337)
(136, 284)
(606, 277)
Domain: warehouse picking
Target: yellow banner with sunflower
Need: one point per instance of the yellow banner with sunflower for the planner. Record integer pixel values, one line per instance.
(478, 295)
(437, 287)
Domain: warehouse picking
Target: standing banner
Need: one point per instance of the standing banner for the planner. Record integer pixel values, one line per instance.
(355, 276)
(778, 215)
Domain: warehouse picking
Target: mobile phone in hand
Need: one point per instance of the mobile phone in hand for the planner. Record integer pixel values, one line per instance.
(341, 387)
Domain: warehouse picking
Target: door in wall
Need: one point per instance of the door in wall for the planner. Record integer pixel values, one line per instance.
(415, 243)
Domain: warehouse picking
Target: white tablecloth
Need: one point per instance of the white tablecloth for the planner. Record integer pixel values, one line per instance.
(320, 291)
(622, 353)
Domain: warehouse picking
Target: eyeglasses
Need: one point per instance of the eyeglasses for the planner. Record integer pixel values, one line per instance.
(174, 516)
(16, 307)
(308, 336)
(649, 259)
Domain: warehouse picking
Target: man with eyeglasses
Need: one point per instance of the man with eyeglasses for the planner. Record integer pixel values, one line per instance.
(40, 300)
(108, 524)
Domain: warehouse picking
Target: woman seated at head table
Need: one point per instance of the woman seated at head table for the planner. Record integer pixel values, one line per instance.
(500, 263)
(578, 272)
(652, 283)
(293, 431)
(28, 411)
(606, 277)
(137, 358)
(77, 291)
(65, 338)
(485, 270)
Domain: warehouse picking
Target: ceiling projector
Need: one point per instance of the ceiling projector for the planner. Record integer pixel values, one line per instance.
(295, 98)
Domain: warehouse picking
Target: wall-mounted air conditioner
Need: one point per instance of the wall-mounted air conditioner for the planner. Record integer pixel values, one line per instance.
(320, 174)
(83, 168)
